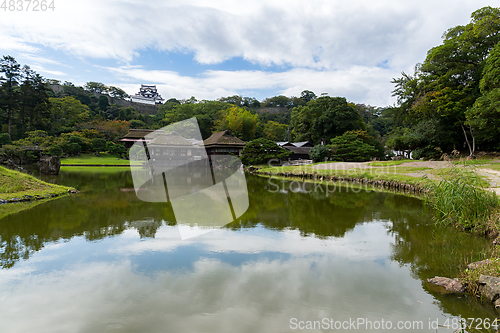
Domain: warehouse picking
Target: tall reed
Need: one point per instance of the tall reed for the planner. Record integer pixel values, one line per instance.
(458, 199)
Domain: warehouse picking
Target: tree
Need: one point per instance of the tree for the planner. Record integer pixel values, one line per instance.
(96, 87)
(98, 145)
(116, 92)
(9, 81)
(34, 104)
(275, 131)
(447, 83)
(485, 113)
(307, 95)
(353, 146)
(278, 101)
(241, 122)
(319, 153)
(324, 117)
(261, 151)
(66, 112)
(103, 103)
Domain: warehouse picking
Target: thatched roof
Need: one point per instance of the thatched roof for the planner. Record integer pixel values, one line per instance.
(169, 139)
(137, 133)
(299, 150)
(224, 138)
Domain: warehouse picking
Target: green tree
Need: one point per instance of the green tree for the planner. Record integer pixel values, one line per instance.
(447, 83)
(11, 76)
(96, 87)
(485, 113)
(116, 92)
(353, 146)
(241, 122)
(262, 150)
(98, 145)
(103, 103)
(275, 131)
(324, 117)
(319, 153)
(66, 112)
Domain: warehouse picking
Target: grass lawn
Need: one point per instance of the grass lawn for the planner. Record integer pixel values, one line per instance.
(381, 173)
(104, 159)
(15, 184)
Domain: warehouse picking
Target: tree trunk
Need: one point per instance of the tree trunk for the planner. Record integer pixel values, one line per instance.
(471, 151)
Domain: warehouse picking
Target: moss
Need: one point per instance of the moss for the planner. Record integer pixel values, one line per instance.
(17, 185)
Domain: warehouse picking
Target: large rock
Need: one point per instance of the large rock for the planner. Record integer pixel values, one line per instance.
(489, 287)
(50, 165)
(451, 285)
(477, 264)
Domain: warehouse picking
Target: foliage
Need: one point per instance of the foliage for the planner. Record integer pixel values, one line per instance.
(55, 150)
(241, 122)
(354, 146)
(103, 103)
(67, 112)
(5, 139)
(98, 144)
(447, 83)
(275, 131)
(324, 117)
(117, 149)
(261, 151)
(457, 199)
(319, 153)
(96, 87)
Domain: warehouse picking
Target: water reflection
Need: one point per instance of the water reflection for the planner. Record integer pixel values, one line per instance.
(111, 262)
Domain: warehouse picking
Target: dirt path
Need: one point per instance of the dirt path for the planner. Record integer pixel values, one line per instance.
(493, 176)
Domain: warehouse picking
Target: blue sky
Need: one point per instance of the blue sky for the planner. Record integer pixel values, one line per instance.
(211, 49)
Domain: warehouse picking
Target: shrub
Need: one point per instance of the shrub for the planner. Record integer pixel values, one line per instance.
(54, 150)
(116, 149)
(261, 151)
(354, 146)
(98, 145)
(5, 139)
(319, 153)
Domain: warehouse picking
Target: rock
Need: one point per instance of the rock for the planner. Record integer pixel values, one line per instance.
(50, 165)
(489, 287)
(397, 158)
(452, 285)
(477, 264)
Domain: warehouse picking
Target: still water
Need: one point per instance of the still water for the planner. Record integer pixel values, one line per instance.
(103, 261)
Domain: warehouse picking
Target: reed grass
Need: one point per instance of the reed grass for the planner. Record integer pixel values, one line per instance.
(459, 200)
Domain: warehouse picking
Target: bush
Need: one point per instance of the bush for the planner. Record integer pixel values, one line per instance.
(261, 151)
(54, 150)
(5, 139)
(354, 146)
(117, 149)
(319, 153)
(74, 149)
(98, 145)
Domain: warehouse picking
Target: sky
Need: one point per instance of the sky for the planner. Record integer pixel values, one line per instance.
(218, 48)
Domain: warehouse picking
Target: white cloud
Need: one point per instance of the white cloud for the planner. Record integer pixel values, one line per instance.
(357, 84)
(324, 41)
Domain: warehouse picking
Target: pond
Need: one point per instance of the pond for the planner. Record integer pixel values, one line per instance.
(301, 259)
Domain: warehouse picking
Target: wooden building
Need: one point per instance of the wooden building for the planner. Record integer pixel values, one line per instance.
(223, 143)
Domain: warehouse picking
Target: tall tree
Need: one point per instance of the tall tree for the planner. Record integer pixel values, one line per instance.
(447, 83)
(10, 80)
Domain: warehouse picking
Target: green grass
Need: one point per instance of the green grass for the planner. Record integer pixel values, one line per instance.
(389, 163)
(15, 184)
(104, 159)
(493, 166)
(459, 200)
(96, 169)
(383, 173)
